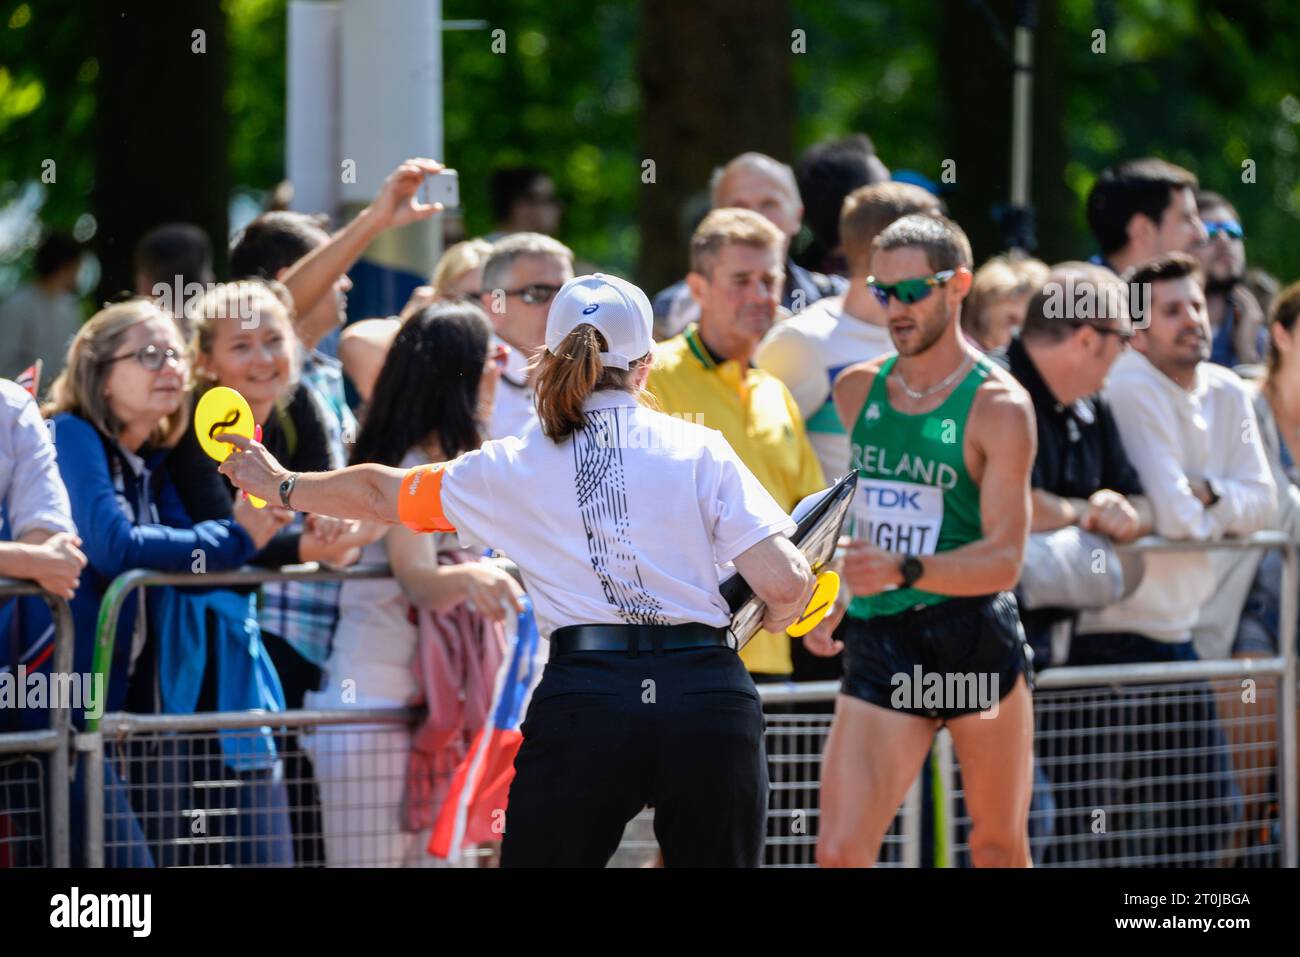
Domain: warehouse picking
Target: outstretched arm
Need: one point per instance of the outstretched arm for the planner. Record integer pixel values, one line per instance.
(366, 492)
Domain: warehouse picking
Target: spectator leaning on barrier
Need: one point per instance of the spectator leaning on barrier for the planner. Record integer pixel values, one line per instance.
(295, 249)
(364, 345)
(1224, 626)
(114, 412)
(431, 404)
(1142, 208)
(520, 278)
(244, 340)
(765, 186)
(117, 407)
(1240, 330)
(1189, 429)
(38, 542)
(706, 375)
(1076, 326)
(998, 298)
(810, 349)
(39, 319)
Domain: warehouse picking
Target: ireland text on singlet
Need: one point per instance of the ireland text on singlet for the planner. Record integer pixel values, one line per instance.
(914, 496)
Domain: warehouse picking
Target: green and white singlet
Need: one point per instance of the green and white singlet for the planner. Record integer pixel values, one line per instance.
(914, 495)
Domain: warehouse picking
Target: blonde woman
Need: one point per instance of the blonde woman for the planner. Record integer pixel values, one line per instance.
(364, 345)
(999, 296)
(244, 340)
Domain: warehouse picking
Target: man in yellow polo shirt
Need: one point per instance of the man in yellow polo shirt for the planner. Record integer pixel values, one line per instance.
(706, 374)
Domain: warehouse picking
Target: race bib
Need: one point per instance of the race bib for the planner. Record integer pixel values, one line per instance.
(900, 517)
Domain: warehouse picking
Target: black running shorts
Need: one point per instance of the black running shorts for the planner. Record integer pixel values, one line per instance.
(938, 661)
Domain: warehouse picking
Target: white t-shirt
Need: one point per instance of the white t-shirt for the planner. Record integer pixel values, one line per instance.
(374, 640)
(807, 352)
(513, 410)
(1172, 436)
(626, 522)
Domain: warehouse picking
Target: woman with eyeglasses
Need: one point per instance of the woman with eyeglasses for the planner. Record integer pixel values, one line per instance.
(115, 410)
(431, 403)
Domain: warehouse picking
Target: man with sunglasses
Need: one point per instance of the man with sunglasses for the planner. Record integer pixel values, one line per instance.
(943, 442)
(1240, 333)
(520, 278)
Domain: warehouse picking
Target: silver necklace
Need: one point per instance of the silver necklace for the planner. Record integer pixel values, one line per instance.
(938, 387)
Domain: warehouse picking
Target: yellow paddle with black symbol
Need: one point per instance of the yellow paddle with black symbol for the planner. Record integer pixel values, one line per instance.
(224, 410)
(819, 605)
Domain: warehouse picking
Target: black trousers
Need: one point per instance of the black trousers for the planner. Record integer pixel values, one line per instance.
(608, 733)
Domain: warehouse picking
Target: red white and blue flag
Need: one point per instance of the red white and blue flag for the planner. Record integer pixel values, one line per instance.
(475, 807)
(30, 378)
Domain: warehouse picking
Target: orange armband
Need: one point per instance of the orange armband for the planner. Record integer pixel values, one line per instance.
(419, 504)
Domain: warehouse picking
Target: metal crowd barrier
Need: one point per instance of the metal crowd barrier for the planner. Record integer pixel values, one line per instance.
(184, 759)
(24, 797)
(1151, 733)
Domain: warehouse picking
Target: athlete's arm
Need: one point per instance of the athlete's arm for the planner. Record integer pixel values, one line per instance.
(366, 492)
(1006, 438)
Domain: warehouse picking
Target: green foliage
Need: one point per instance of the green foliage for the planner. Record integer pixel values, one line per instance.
(564, 96)
(1206, 83)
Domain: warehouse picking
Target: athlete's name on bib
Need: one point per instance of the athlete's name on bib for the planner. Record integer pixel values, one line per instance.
(914, 468)
(903, 517)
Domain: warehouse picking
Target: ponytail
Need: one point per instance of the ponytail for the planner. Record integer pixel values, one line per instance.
(566, 378)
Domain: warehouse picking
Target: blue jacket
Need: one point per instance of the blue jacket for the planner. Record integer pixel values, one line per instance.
(217, 627)
(129, 515)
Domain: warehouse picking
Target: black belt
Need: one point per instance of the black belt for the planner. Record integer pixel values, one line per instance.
(635, 638)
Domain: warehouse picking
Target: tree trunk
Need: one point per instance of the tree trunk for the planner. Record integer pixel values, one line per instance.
(161, 130)
(977, 75)
(715, 80)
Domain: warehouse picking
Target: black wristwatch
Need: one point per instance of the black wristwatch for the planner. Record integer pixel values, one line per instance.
(912, 570)
(286, 489)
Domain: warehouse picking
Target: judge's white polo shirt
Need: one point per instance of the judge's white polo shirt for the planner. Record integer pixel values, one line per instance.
(625, 522)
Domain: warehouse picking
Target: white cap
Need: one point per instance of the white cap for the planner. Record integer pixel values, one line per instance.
(617, 308)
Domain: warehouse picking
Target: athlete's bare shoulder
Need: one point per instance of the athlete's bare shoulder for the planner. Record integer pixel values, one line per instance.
(1002, 409)
(851, 388)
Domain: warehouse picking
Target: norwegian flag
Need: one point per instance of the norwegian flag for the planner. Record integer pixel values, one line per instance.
(30, 378)
(475, 806)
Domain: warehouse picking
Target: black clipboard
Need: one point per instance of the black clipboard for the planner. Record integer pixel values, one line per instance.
(816, 535)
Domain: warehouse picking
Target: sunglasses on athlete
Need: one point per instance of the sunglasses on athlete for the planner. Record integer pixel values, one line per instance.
(908, 291)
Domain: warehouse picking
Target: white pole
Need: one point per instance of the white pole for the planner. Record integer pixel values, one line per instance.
(391, 108)
(311, 140)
